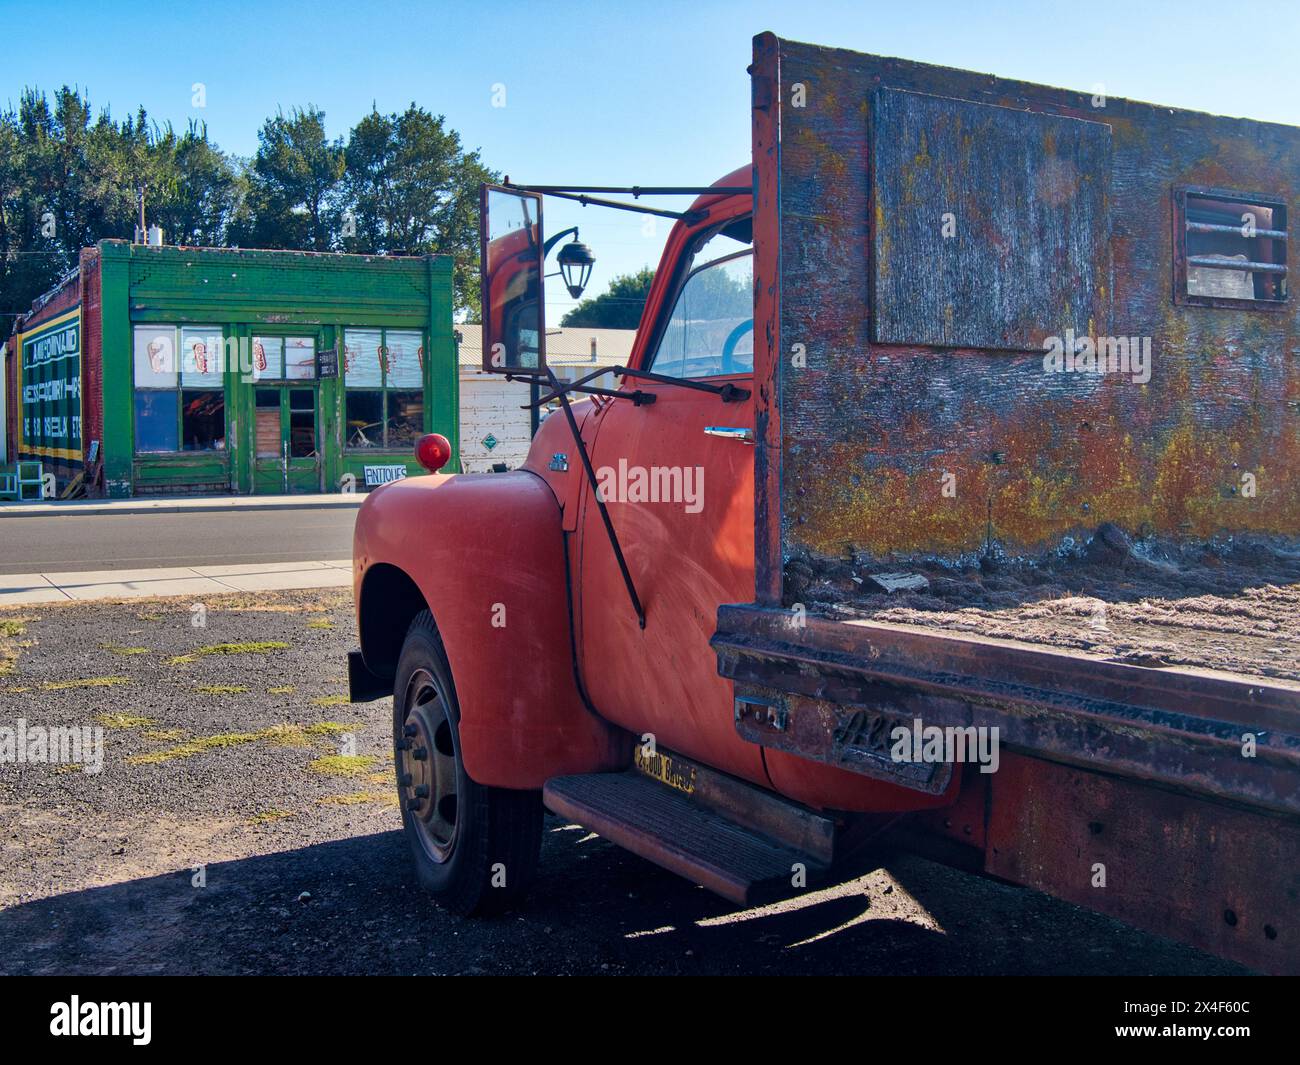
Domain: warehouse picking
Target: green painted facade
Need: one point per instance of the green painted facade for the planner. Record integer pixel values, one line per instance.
(267, 294)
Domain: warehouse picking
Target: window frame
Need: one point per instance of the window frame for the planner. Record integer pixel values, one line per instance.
(384, 388)
(281, 335)
(179, 389)
(694, 272)
(1182, 297)
(683, 272)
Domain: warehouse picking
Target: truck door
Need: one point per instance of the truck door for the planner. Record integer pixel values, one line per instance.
(677, 478)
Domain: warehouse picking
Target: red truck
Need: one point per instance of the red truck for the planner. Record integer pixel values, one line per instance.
(948, 499)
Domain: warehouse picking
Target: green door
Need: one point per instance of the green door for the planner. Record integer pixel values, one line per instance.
(286, 439)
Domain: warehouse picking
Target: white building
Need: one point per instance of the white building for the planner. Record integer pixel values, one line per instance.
(494, 427)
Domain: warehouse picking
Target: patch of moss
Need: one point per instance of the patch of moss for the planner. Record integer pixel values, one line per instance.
(342, 765)
(287, 736)
(356, 798)
(282, 689)
(123, 720)
(329, 728)
(150, 617)
(113, 649)
(12, 627)
(266, 816)
(84, 682)
(255, 604)
(330, 700)
(163, 734)
(195, 746)
(320, 623)
(251, 647)
(283, 735)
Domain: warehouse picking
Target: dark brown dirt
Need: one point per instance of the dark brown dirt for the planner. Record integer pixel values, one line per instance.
(1231, 606)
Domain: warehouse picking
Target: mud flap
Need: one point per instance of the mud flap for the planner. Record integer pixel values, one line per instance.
(364, 686)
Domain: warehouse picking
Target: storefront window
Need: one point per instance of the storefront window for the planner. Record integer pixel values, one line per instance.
(405, 418)
(155, 421)
(365, 415)
(302, 423)
(180, 402)
(284, 358)
(383, 373)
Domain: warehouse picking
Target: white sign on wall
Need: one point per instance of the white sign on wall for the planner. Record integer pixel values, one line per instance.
(376, 475)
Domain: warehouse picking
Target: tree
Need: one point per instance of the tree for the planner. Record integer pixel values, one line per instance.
(194, 188)
(402, 183)
(619, 307)
(69, 179)
(294, 185)
(410, 188)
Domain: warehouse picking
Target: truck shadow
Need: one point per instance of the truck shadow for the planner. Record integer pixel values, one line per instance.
(352, 906)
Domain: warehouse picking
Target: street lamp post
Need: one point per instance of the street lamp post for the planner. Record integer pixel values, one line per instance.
(575, 261)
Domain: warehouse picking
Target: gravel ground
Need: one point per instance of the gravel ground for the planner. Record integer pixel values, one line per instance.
(244, 821)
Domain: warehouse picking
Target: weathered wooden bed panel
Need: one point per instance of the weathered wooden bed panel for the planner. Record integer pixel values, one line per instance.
(920, 445)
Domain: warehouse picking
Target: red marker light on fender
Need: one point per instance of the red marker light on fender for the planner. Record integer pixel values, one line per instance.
(433, 451)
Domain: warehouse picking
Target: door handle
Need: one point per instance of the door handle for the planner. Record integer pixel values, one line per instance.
(730, 432)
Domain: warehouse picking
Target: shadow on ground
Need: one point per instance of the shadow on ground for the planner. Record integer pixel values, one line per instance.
(594, 909)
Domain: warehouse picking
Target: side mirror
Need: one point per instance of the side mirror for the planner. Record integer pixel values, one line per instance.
(513, 295)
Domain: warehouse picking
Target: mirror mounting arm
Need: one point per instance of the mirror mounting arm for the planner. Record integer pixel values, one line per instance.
(638, 398)
(580, 194)
(730, 393)
(581, 444)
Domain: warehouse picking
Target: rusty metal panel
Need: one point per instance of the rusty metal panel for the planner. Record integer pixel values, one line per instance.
(992, 228)
(1216, 876)
(871, 432)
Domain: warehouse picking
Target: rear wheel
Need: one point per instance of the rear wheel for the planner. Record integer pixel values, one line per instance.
(475, 848)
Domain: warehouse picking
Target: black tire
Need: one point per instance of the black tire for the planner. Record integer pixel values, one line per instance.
(466, 839)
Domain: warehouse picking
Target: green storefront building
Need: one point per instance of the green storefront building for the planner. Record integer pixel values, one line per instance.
(157, 369)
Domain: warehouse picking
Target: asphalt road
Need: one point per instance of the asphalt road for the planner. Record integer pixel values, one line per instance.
(244, 821)
(158, 538)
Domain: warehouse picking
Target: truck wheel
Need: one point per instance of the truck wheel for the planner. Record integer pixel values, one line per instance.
(476, 848)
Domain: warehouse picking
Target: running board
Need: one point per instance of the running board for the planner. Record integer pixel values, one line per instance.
(666, 826)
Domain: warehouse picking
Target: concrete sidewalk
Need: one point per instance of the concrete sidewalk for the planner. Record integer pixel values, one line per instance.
(20, 588)
(179, 504)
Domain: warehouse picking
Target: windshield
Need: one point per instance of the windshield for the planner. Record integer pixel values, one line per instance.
(711, 329)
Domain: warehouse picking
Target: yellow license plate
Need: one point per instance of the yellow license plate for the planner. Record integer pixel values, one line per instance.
(666, 769)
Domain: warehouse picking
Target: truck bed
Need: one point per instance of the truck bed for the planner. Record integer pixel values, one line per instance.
(832, 687)
(1232, 607)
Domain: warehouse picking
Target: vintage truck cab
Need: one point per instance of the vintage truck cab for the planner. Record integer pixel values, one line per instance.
(673, 624)
(494, 606)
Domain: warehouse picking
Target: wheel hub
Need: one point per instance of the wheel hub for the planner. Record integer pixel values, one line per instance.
(426, 767)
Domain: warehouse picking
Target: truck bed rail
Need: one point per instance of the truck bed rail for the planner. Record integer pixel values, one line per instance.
(1232, 737)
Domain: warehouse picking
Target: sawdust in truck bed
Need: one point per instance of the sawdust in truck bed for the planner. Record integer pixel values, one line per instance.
(1232, 605)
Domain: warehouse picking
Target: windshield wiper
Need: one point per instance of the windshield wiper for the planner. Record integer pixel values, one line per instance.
(728, 392)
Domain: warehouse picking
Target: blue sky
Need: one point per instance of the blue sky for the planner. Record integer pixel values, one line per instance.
(611, 93)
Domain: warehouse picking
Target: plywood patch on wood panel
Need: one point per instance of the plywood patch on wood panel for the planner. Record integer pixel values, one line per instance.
(992, 224)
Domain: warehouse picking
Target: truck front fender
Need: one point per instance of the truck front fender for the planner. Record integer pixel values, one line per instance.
(485, 554)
